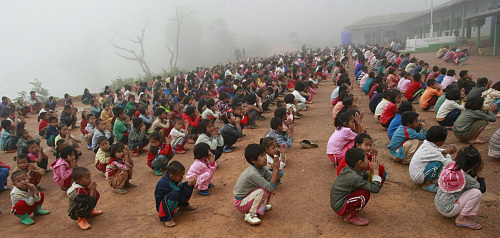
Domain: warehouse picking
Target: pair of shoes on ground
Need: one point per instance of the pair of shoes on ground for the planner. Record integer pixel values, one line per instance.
(252, 219)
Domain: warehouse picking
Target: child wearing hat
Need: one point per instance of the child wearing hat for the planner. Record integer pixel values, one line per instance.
(459, 193)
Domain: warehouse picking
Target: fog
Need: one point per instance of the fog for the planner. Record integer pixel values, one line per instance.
(65, 43)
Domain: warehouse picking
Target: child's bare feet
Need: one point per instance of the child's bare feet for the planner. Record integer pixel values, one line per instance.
(352, 217)
(95, 212)
(170, 223)
(188, 208)
(82, 223)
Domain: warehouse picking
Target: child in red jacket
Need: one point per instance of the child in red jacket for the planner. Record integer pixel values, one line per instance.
(193, 117)
(159, 154)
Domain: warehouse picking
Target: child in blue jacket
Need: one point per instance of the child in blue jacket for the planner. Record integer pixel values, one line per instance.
(171, 193)
(407, 138)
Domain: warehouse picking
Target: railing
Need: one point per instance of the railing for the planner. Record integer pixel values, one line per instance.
(413, 44)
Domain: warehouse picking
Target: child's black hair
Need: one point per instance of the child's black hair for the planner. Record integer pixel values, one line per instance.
(462, 73)
(115, 148)
(253, 151)
(474, 103)
(408, 117)
(435, 69)
(496, 86)
(137, 122)
(68, 150)
(101, 139)
(276, 122)
(51, 119)
(142, 110)
(159, 111)
(268, 142)
(431, 82)
(119, 111)
(89, 116)
(405, 107)
(417, 77)
(360, 138)
(210, 103)
(353, 155)
(251, 99)
(482, 82)
(393, 94)
(449, 87)
(30, 143)
(78, 173)
(202, 126)
(155, 136)
(467, 158)
(450, 72)
(280, 112)
(225, 117)
(201, 150)
(175, 168)
(17, 174)
(21, 157)
(341, 119)
(289, 98)
(223, 95)
(443, 71)
(380, 88)
(453, 94)
(6, 124)
(437, 134)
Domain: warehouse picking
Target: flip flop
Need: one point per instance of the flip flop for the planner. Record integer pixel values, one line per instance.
(470, 226)
(431, 188)
(477, 141)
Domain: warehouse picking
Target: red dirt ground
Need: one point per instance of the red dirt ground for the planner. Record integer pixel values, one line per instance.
(301, 205)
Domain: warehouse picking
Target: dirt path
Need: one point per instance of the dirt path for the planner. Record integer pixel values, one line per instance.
(301, 205)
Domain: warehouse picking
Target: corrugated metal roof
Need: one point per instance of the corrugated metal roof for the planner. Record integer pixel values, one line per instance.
(383, 20)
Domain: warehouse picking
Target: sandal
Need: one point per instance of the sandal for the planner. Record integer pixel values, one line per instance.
(470, 226)
(431, 188)
(120, 191)
(477, 141)
(170, 223)
(130, 184)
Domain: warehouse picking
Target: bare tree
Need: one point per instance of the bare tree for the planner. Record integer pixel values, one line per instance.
(180, 14)
(133, 55)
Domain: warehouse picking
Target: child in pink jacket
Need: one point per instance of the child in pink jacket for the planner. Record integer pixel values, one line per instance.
(203, 168)
(63, 167)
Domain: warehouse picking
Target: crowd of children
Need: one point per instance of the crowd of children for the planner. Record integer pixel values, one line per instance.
(160, 117)
(461, 105)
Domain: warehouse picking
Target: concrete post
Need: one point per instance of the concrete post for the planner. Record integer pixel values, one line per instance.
(478, 39)
(463, 22)
(495, 37)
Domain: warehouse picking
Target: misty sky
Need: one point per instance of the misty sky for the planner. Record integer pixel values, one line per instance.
(65, 43)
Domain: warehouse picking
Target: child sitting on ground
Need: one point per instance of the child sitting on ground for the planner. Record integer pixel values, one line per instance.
(179, 136)
(52, 132)
(351, 190)
(210, 112)
(44, 124)
(274, 152)
(36, 154)
(406, 139)
(95, 108)
(137, 139)
(430, 95)
(459, 193)
(159, 154)
(63, 167)
(396, 121)
(391, 109)
(9, 138)
(121, 126)
(365, 142)
(278, 133)
(82, 198)
(450, 110)
(101, 129)
(31, 169)
(482, 85)
(202, 169)
(146, 116)
(382, 104)
(24, 138)
(473, 120)
(4, 174)
(211, 136)
(26, 198)
(347, 128)
(415, 89)
(69, 139)
(89, 129)
(102, 156)
(253, 109)
(120, 168)
(378, 97)
(427, 162)
(231, 131)
(171, 193)
(256, 184)
(193, 117)
(107, 113)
